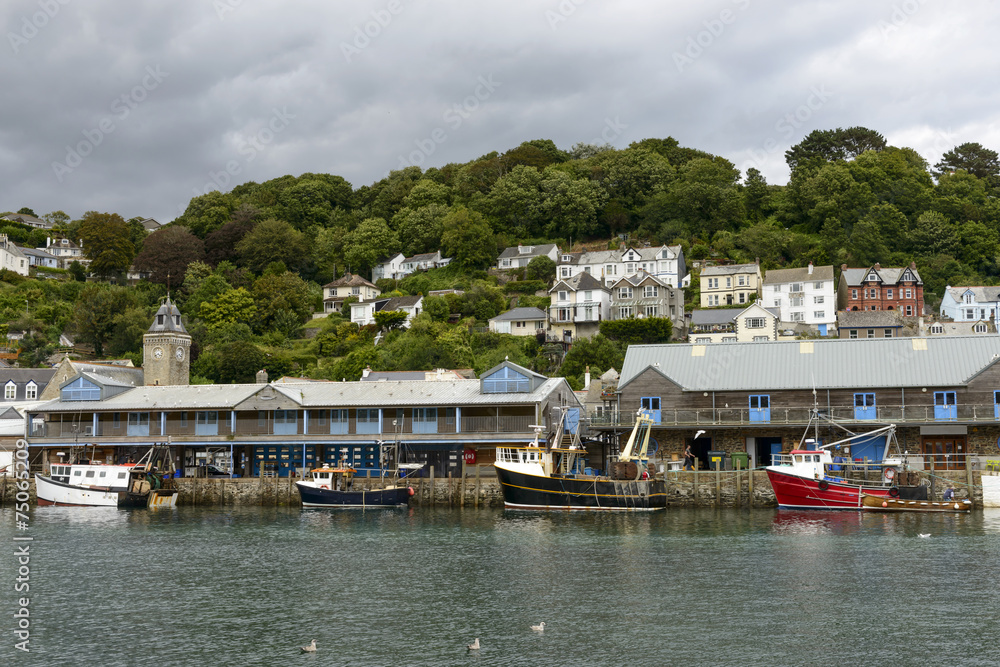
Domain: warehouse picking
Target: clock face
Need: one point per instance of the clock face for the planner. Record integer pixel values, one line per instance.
(179, 354)
(157, 352)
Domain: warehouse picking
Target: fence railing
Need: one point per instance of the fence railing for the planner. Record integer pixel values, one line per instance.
(896, 414)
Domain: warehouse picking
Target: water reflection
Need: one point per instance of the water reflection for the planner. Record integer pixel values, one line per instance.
(804, 522)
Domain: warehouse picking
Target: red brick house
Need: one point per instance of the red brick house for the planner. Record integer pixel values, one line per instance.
(878, 288)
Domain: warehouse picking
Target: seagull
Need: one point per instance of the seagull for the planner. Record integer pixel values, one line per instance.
(924, 534)
(474, 646)
(309, 649)
(539, 628)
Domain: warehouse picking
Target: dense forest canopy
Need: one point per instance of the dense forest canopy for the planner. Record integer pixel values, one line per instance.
(246, 266)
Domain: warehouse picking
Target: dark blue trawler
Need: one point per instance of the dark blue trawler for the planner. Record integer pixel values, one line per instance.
(546, 476)
(335, 486)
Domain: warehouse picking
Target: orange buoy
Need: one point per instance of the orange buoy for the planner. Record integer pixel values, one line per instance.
(885, 504)
(410, 490)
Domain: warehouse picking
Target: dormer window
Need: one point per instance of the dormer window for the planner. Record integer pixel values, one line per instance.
(979, 328)
(31, 391)
(159, 320)
(937, 329)
(10, 390)
(968, 297)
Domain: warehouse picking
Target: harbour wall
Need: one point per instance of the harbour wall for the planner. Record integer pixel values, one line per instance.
(728, 488)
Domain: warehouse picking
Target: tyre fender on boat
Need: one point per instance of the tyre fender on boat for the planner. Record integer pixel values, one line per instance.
(823, 485)
(894, 492)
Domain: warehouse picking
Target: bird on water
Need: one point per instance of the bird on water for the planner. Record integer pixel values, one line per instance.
(924, 534)
(474, 646)
(309, 649)
(539, 628)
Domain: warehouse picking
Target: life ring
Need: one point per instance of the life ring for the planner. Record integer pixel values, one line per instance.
(889, 474)
(894, 492)
(823, 485)
(324, 486)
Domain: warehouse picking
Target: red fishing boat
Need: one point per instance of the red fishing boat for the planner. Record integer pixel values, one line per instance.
(816, 479)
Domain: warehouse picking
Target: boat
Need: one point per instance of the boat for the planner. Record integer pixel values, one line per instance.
(894, 504)
(552, 475)
(144, 484)
(337, 486)
(815, 479)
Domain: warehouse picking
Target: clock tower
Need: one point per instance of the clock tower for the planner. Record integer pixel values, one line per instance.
(166, 349)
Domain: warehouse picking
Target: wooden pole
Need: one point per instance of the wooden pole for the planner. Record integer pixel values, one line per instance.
(477, 485)
(431, 489)
(968, 475)
(718, 488)
(750, 489)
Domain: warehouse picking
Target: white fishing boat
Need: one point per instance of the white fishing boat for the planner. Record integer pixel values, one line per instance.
(147, 483)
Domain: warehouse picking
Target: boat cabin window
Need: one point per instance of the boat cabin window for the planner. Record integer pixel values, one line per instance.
(90, 473)
(121, 475)
(76, 473)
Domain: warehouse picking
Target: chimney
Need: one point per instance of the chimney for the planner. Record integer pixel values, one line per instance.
(810, 268)
(913, 266)
(843, 267)
(878, 267)
(586, 379)
(366, 372)
(262, 376)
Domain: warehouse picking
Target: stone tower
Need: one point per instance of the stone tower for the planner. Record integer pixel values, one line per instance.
(166, 349)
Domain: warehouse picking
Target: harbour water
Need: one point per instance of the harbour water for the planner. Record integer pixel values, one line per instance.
(247, 586)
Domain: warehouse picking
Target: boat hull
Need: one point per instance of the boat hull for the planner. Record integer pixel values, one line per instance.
(886, 504)
(795, 492)
(395, 496)
(523, 491)
(50, 492)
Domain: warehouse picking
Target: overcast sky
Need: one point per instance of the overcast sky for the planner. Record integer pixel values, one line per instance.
(134, 108)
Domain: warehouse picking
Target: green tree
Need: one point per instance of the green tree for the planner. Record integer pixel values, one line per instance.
(369, 242)
(972, 157)
(821, 146)
(98, 312)
(272, 241)
(387, 320)
(638, 331)
(631, 176)
(515, 200)
(276, 295)
(230, 307)
(239, 361)
(107, 243)
(541, 268)
(599, 352)
(420, 229)
(168, 252)
(570, 206)
(208, 212)
(437, 307)
(468, 239)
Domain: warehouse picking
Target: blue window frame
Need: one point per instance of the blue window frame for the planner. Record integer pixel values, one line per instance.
(285, 422)
(505, 381)
(945, 407)
(367, 419)
(996, 405)
(138, 423)
(864, 406)
(425, 420)
(338, 422)
(760, 408)
(81, 390)
(206, 422)
(651, 404)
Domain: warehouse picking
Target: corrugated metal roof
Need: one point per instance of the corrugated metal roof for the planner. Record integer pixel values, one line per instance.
(308, 395)
(823, 364)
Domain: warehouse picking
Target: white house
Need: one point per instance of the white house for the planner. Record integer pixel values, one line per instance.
(645, 295)
(521, 256)
(666, 263)
(65, 251)
(805, 297)
(971, 304)
(346, 286)
(390, 267)
(41, 258)
(753, 324)
(424, 262)
(11, 257)
(520, 322)
(579, 305)
(363, 312)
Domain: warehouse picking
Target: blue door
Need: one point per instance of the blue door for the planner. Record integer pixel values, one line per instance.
(760, 408)
(572, 422)
(651, 404)
(864, 406)
(944, 405)
(775, 449)
(996, 405)
(869, 448)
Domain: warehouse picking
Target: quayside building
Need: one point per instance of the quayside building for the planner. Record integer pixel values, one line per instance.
(756, 398)
(281, 428)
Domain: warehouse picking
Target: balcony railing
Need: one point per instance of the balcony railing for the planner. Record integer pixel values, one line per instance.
(896, 414)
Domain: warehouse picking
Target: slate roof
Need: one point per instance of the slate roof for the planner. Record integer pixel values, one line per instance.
(821, 364)
(520, 314)
(869, 319)
(168, 319)
(581, 281)
(979, 294)
(800, 275)
(537, 250)
(729, 269)
(890, 276)
(397, 302)
(349, 280)
(710, 316)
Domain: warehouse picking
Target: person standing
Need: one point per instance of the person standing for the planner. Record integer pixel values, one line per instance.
(688, 458)
(949, 493)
